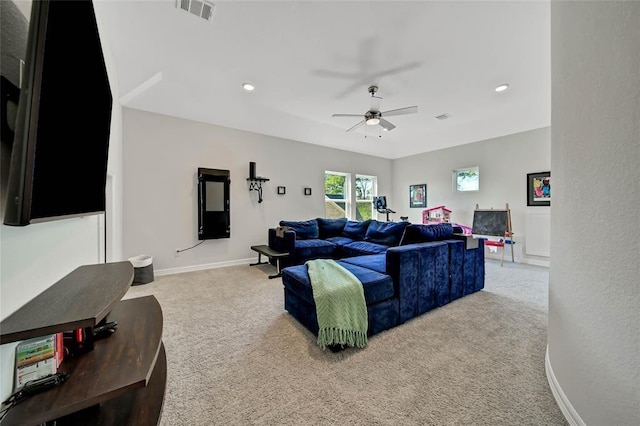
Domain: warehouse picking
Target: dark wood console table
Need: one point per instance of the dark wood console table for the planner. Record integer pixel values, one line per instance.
(271, 254)
(122, 381)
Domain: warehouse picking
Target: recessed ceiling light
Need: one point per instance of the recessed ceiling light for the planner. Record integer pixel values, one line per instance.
(502, 88)
(248, 87)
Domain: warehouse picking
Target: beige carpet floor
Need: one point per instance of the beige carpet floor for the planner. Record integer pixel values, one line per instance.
(236, 357)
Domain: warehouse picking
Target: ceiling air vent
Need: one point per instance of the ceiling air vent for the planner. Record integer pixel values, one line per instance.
(443, 116)
(201, 8)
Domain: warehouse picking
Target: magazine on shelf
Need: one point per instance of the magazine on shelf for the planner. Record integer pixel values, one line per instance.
(37, 357)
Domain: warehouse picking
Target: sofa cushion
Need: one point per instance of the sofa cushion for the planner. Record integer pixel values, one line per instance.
(361, 248)
(387, 233)
(356, 230)
(314, 249)
(330, 227)
(375, 262)
(305, 230)
(340, 241)
(425, 233)
(377, 287)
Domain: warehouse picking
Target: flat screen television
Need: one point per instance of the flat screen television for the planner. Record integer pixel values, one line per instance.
(60, 147)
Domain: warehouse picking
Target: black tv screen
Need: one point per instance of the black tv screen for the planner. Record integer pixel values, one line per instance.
(60, 148)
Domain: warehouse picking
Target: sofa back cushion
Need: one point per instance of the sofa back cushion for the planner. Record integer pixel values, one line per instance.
(305, 230)
(387, 233)
(356, 230)
(424, 233)
(329, 228)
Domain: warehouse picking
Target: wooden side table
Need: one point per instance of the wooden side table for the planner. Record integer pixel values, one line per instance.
(271, 254)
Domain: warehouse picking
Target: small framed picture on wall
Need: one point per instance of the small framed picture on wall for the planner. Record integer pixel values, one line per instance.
(539, 189)
(418, 195)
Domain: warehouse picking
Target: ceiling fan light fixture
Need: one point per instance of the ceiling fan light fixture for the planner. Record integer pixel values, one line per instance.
(375, 117)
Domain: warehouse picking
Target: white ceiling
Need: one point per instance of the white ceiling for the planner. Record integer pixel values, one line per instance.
(310, 59)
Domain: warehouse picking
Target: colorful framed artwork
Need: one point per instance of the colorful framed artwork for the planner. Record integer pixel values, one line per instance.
(539, 189)
(418, 195)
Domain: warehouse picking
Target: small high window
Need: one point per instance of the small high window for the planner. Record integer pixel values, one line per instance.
(467, 179)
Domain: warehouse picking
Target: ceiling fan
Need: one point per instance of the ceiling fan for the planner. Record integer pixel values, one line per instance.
(374, 117)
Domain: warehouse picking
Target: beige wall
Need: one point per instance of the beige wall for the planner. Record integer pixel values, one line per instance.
(503, 162)
(594, 290)
(162, 155)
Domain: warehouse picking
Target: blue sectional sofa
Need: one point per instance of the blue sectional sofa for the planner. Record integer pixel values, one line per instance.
(333, 238)
(405, 269)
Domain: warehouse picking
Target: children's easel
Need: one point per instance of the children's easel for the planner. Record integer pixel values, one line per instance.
(495, 223)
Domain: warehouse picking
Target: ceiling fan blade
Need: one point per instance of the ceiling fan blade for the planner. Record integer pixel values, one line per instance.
(346, 115)
(407, 110)
(356, 126)
(336, 74)
(396, 70)
(386, 125)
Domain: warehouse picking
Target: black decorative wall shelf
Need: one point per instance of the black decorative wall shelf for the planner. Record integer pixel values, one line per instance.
(255, 184)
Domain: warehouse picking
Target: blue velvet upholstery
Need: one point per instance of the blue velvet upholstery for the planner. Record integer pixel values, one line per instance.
(421, 272)
(329, 228)
(473, 269)
(382, 315)
(312, 249)
(429, 268)
(382, 307)
(456, 258)
(377, 287)
(360, 248)
(376, 262)
(425, 233)
(340, 240)
(386, 233)
(349, 243)
(300, 309)
(293, 240)
(285, 244)
(356, 230)
(305, 230)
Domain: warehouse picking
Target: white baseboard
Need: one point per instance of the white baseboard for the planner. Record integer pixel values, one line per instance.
(536, 262)
(567, 409)
(202, 267)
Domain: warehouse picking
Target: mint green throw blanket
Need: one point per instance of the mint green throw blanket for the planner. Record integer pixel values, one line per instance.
(340, 305)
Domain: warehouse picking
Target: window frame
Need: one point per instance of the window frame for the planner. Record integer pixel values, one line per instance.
(373, 191)
(347, 193)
